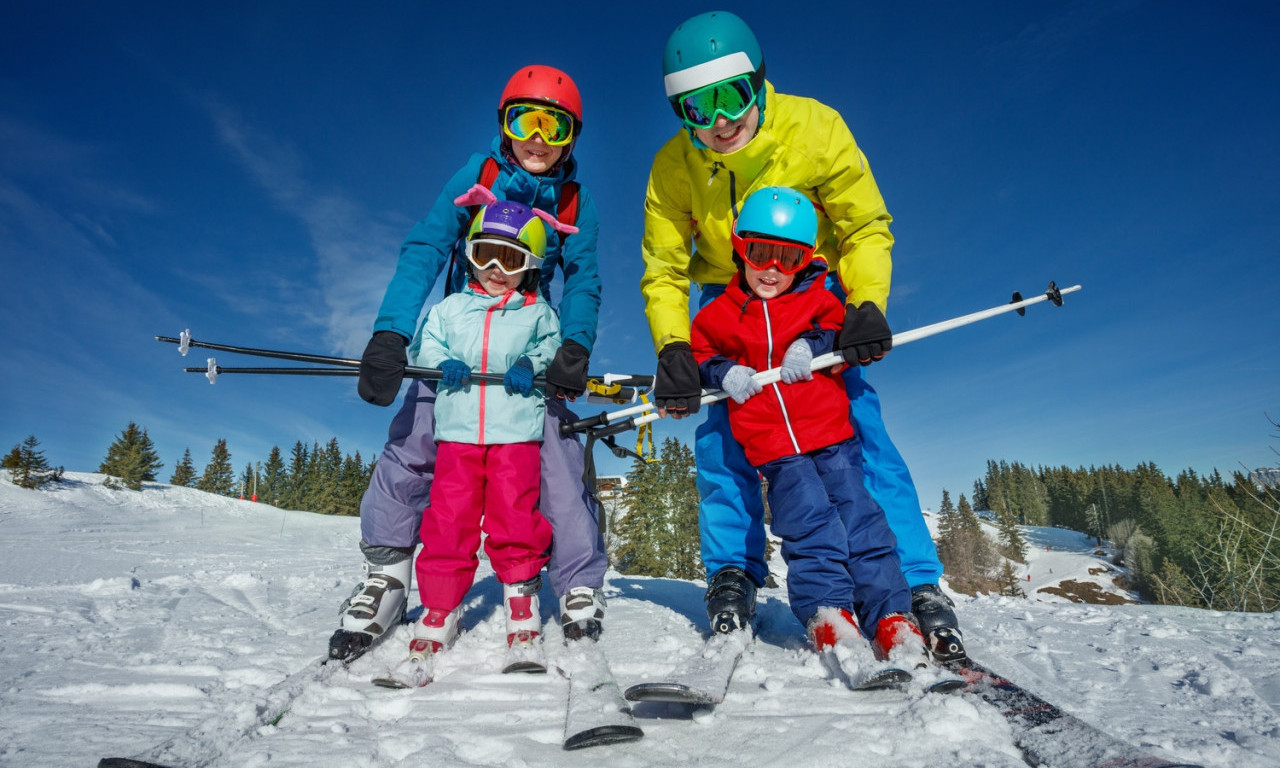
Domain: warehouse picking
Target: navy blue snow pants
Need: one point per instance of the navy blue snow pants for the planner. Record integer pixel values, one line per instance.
(836, 542)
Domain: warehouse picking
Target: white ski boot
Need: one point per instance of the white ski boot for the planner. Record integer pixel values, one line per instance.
(524, 625)
(581, 613)
(434, 633)
(376, 606)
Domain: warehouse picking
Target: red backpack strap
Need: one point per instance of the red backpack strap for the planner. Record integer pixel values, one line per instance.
(567, 209)
(488, 175)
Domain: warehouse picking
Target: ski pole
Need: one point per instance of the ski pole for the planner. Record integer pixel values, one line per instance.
(213, 371)
(184, 341)
(773, 375)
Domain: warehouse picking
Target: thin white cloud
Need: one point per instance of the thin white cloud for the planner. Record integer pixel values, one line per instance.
(351, 246)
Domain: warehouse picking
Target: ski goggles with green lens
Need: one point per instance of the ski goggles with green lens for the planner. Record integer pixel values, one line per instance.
(764, 252)
(521, 121)
(506, 255)
(732, 98)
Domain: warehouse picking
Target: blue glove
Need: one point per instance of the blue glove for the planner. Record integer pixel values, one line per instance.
(739, 385)
(455, 374)
(519, 378)
(797, 362)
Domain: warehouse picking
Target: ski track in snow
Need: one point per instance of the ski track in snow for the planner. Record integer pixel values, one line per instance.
(132, 620)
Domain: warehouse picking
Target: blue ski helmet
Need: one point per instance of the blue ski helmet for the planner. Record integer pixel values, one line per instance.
(707, 49)
(779, 212)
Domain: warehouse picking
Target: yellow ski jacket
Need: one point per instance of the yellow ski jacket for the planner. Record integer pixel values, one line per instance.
(694, 195)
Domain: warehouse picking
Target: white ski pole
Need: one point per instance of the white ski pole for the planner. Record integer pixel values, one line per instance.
(774, 375)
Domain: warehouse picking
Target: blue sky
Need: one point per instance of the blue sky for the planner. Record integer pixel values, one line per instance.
(247, 170)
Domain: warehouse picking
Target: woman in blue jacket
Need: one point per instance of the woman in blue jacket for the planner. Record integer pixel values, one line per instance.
(530, 162)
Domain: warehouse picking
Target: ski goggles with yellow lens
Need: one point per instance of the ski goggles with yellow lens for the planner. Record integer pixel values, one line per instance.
(731, 98)
(503, 254)
(762, 253)
(521, 121)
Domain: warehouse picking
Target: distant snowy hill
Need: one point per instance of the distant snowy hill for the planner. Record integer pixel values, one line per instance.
(133, 619)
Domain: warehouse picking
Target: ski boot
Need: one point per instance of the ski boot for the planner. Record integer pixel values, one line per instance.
(731, 600)
(377, 605)
(581, 613)
(937, 622)
(833, 626)
(434, 632)
(524, 646)
(898, 640)
(520, 603)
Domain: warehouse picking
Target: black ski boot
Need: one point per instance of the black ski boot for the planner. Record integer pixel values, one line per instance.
(731, 600)
(937, 622)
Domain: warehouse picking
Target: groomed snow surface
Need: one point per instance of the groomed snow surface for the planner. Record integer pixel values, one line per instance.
(172, 617)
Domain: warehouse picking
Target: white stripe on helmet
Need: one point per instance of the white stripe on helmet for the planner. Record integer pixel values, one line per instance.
(708, 72)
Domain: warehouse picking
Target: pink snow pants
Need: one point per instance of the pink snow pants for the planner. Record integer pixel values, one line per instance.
(490, 488)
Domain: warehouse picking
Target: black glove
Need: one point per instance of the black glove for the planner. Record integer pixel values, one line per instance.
(677, 386)
(382, 368)
(567, 376)
(865, 336)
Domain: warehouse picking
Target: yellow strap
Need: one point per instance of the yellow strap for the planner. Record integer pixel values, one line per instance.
(643, 432)
(598, 387)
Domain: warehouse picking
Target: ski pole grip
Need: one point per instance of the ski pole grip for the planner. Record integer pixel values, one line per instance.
(568, 428)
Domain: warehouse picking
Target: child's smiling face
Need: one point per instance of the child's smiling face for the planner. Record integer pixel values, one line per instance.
(767, 283)
(535, 155)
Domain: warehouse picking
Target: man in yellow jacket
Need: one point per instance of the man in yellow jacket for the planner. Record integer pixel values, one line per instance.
(739, 135)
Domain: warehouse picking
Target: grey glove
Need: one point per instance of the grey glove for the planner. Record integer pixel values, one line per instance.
(796, 362)
(739, 385)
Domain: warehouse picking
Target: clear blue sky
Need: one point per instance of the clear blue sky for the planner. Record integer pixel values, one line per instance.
(247, 170)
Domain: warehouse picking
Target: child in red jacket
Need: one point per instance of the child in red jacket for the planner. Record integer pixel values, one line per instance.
(840, 553)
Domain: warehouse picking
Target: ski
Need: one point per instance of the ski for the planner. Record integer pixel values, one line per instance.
(412, 672)
(226, 730)
(703, 678)
(526, 657)
(596, 713)
(1049, 736)
(415, 671)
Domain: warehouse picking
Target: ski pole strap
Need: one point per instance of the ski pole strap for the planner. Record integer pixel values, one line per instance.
(645, 432)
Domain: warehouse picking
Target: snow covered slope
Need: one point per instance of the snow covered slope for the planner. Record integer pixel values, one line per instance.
(134, 619)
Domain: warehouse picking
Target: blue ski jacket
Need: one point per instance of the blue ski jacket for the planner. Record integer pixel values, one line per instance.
(434, 246)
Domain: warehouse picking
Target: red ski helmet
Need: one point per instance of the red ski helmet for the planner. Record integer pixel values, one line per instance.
(546, 84)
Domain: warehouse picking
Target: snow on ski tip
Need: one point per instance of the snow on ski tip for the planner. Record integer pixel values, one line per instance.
(596, 712)
(701, 679)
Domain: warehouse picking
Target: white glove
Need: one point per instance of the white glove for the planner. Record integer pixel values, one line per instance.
(796, 362)
(739, 385)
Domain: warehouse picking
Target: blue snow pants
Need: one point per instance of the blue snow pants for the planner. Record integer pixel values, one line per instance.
(731, 512)
(835, 539)
(391, 509)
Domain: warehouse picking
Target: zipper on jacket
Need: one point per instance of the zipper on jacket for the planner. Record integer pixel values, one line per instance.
(777, 390)
(484, 357)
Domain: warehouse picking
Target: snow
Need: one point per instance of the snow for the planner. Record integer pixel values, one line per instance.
(172, 617)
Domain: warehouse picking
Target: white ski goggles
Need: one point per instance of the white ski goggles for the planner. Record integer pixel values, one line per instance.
(506, 255)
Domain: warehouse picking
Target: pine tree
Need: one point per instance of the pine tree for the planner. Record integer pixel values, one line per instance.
(218, 477)
(184, 474)
(28, 466)
(1008, 582)
(132, 457)
(293, 488)
(273, 476)
(658, 535)
(1013, 544)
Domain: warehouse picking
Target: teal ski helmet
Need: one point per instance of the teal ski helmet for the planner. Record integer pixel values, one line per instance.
(707, 49)
(778, 212)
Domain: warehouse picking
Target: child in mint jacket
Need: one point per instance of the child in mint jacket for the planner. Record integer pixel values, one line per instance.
(488, 434)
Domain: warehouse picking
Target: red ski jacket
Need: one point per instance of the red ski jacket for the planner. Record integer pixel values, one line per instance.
(739, 328)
